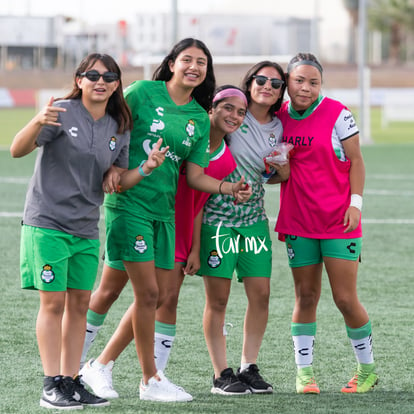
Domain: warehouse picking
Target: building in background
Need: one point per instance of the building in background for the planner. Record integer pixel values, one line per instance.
(240, 35)
(37, 42)
(30, 42)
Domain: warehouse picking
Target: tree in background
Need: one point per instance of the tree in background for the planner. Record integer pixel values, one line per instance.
(394, 19)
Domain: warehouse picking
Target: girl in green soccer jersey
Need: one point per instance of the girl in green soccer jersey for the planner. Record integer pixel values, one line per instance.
(140, 223)
(236, 238)
(79, 139)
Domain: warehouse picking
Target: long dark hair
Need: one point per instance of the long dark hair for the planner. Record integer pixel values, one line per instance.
(248, 78)
(117, 106)
(203, 93)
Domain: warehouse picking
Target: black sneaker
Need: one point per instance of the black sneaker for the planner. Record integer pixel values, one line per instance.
(53, 397)
(75, 389)
(228, 384)
(254, 380)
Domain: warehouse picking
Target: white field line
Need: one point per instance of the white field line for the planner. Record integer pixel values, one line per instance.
(275, 189)
(14, 180)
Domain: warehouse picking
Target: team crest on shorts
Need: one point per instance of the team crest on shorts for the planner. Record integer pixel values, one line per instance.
(47, 275)
(140, 244)
(290, 252)
(112, 144)
(214, 259)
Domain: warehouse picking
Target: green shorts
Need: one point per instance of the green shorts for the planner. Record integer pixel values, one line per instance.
(246, 250)
(137, 239)
(53, 260)
(303, 251)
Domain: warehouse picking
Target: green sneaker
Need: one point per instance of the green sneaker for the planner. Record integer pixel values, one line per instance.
(305, 382)
(364, 380)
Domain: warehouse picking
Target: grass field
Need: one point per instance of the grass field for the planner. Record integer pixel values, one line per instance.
(386, 286)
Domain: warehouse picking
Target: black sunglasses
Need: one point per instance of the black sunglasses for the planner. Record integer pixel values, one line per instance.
(261, 80)
(94, 75)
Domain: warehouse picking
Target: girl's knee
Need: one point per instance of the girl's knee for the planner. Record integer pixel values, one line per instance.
(346, 305)
(308, 299)
(218, 304)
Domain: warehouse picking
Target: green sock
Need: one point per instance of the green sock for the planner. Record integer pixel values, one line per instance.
(94, 318)
(165, 328)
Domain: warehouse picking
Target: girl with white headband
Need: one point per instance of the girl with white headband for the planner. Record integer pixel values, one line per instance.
(244, 227)
(320, 219)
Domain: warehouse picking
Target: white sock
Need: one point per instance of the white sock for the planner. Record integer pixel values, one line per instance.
(97, 364)
(162, 349)
(244, 366)
(363, 350)
(303, 345)
(91, 332)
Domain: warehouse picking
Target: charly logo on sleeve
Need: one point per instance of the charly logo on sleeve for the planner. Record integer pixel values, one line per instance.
(47, 275)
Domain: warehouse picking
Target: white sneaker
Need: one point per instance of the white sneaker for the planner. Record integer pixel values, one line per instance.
(99, 378)
(163, 390)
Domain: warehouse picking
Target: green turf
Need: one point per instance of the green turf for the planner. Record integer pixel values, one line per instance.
(385, 284)
(11, 121)
(394, 133)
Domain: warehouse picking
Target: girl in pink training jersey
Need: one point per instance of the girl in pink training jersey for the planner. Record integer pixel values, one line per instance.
(320, 218)
(227, 113)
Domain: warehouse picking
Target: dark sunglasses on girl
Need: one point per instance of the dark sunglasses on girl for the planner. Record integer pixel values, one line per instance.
(275, 82)
(94, 75)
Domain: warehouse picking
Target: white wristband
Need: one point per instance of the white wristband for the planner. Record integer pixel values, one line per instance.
(356, 201)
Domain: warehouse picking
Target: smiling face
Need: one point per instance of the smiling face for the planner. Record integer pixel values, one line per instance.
(189, 68)
(304, 86)
(265, 94)
(96, 91)
(228, 115)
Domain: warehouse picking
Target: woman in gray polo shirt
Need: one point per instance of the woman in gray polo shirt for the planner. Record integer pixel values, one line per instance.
(78, 138)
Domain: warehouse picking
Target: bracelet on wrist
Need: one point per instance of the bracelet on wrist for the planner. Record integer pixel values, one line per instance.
(141, 170)
(219, 189)
(356, 201)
